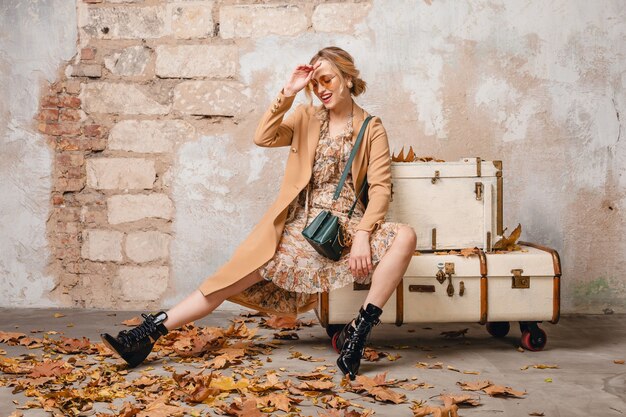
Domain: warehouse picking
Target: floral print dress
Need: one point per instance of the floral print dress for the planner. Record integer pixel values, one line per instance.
(297, 273)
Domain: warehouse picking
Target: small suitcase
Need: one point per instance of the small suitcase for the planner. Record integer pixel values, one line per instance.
(450, 205)
(488, 288)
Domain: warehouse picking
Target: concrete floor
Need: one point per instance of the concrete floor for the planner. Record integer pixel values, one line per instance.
(587, 382)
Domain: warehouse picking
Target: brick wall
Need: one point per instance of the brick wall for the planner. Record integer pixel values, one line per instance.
(148, 76)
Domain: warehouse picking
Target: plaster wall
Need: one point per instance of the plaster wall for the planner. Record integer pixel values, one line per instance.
(537, 85)
(35, 37)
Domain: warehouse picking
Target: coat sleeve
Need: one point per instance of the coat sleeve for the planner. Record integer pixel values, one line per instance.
(378, 177)
(272, 130)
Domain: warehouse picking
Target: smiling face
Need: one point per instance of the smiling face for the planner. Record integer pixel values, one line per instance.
(329, 86)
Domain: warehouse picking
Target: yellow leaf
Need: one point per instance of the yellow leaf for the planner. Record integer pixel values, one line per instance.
(57, 315)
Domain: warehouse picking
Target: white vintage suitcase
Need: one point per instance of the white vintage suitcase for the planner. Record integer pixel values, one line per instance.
(451, 205)
(489, 288)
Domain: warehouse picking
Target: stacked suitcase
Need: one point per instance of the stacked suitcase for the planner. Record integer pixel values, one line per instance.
(454, 206)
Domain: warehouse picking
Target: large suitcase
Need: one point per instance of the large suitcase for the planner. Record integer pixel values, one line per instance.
(489, 287)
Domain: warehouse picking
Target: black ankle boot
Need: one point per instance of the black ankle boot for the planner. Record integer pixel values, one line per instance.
(353, 346)
(135, 345)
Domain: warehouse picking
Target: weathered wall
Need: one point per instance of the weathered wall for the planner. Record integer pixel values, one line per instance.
(153, 179)
(36, 37)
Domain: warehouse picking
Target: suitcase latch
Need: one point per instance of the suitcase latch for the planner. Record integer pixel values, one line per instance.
(478, 189)
(435, 178)
(440, 275)
(519, 280)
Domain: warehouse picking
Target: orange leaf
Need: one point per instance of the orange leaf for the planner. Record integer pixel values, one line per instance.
(510, 243)
(135, 321)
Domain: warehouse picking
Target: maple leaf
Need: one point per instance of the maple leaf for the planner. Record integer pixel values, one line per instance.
(11, 338)
(159, 409)
(474, 386)
(246, 409)
(467, 252)
(509, 243)
(455, 333)
(286, 336)
(449, 400)
(50, 368)
(69, 345)
(400, 157)
(135, 321)
(281, 322)
(377, 388)
(316, 385)
(498, 390)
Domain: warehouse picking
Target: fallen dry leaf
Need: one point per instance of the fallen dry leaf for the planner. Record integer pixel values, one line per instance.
(619, 361)
(135, 321)
(509, 243)
(467, 252)
(455, 333)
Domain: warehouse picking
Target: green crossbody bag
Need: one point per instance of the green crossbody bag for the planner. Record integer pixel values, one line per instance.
(326, 233)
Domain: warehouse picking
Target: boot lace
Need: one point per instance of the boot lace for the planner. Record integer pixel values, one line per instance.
(357, 339)
(133, 336)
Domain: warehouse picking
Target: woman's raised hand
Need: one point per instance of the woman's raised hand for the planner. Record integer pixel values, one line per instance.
(299, 78)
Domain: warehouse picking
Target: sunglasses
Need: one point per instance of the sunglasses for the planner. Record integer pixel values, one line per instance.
(326, 81)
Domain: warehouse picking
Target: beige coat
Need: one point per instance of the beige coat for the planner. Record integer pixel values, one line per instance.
(301, 131)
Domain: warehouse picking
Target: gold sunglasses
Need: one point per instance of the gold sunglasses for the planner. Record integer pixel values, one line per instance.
(326, 81)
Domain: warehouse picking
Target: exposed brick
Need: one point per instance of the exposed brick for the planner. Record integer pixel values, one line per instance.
(72, 87)
(66, 214)
(102, 245)
(133, 207)
(216, 98)
(149, 135)
(143, 283)
(93, 130)
(57, 200)
(80, 143)
(87, 53)
(120, 173)
(69, 101)
(256, 20)
(50, 101)
(60, 129)
(188, 61)
(69, 184)
(70, 115)
(48, 115)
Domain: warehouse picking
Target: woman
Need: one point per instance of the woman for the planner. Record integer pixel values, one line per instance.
(275, 269)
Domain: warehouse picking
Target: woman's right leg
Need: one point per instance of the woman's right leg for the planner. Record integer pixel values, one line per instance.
(197, 305)
(136, 344)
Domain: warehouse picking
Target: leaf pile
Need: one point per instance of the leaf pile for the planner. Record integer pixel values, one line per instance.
(411, 157)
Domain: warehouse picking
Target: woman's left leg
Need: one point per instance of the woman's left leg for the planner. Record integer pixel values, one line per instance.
(391, 268)
(385, 279)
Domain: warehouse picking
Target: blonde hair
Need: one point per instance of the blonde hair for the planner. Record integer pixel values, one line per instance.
(343, 64)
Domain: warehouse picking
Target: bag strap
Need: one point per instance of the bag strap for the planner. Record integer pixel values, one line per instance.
(346, 170)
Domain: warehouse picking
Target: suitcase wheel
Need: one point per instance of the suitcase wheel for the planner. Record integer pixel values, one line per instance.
(331, 329)
(498, 328)
(534, 342)
(335, 341)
